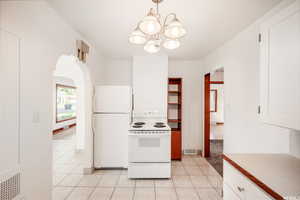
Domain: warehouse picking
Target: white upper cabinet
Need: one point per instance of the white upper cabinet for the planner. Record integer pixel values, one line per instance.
(150, 84)
(280, 68)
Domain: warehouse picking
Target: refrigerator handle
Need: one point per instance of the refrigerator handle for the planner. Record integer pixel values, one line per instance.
(132, 102)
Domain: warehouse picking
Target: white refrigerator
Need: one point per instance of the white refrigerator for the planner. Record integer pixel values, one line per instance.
(111, 121)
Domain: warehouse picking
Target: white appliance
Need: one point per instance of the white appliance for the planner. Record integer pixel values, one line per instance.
(111, 121)
(149, 150)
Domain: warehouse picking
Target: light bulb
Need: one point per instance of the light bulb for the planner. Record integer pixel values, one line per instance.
(171, 44)
(152, 46)
(175, 30)
(137, 37)
(150, 24)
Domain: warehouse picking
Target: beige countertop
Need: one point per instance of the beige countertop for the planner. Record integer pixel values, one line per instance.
(280, 172)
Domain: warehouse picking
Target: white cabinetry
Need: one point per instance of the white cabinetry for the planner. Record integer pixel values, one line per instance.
(237, 186)
(280, 68)
(150, 84)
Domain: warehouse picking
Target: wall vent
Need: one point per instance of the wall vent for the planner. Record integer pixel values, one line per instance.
(10, 188)
(192, 152)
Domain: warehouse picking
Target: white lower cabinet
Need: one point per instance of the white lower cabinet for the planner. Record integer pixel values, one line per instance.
(237, 186)
(228, 193)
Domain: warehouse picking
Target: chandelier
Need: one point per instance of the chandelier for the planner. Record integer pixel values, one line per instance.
(153, 31)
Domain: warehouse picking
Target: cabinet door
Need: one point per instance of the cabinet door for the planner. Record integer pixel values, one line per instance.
(176, 145)
(280, 68)
(228, 194)
(150, 84)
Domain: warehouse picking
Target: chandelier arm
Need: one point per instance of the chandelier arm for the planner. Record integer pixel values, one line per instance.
(167, 17)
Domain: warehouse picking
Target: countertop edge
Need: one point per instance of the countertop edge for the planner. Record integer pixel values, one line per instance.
(253, 179)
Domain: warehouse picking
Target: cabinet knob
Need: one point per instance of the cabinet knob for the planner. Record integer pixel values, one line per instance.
(240, 189)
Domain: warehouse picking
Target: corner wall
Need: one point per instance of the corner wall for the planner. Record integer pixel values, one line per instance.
(244, 133)
(44, 37)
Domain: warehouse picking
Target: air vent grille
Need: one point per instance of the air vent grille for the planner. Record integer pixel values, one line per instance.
(10, 188)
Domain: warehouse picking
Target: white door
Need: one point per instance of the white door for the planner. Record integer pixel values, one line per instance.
(280, 68)
(111, 140)
(149, 148)
(9, 101)
(113, 99)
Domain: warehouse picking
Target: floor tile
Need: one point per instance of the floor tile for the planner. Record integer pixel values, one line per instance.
(123, 194)
(81, 193)
(108, 181)
(164, 183)
(89, 181)
(187, 194)
(182, 181)
(124, 181)
(145, 183)
(208, 194)
(178, 171)
(200, 181)
(165, 194)
(60, 193)
(70, 180)
(57, 178)
(102, 193)
(144, 194)
(193, 170)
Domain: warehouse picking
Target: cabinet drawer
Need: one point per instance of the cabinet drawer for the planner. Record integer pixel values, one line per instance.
(241, 185)
(228, 193)
(234, 180)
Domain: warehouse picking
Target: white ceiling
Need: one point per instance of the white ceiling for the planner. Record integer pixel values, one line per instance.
(209, 23)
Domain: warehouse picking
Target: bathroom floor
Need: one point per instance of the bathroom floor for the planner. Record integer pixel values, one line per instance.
(192, 178)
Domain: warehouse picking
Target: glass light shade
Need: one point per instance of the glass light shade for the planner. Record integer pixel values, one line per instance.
(152, 46)
(171, 44)
(150, 25)
(137, 37)
(175, 30)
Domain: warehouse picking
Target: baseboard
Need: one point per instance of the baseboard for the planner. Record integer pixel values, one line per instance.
(192, 152)
(56, 131)
(88, 171)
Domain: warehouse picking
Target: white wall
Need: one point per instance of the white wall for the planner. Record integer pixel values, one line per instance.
(62, 81)
(192, 84)
(117, 72)
(243, 130)
(44, 37)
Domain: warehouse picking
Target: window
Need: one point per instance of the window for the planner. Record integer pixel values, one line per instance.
(65, 103)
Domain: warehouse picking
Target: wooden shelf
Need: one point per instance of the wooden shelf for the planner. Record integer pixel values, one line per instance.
(174, 92)
(174, 120)
(174, 108)
(170, 103)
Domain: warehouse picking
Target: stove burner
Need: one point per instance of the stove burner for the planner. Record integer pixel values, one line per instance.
(137, 126)
(159, 126)
(159, 123)
(139, 123)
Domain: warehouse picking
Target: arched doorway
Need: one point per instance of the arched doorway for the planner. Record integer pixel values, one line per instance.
(68, 66)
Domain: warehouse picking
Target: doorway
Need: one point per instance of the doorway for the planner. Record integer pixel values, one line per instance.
(72, 139)
(214, 118)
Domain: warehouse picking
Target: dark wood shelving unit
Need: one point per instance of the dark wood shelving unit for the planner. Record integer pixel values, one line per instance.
(175, 106)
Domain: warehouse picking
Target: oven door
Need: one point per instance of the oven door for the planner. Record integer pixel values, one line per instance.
(149, 148)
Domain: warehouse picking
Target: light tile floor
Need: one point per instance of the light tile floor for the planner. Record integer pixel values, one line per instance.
(192, 178)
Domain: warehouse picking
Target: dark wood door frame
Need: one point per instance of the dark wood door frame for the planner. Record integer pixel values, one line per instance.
(206, 115)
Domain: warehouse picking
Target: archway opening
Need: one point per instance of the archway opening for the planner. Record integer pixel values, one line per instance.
(79, 155)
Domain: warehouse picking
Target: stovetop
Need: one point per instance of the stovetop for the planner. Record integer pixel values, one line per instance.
(149, 126)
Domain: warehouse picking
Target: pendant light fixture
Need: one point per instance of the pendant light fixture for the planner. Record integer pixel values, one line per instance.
(153, 31)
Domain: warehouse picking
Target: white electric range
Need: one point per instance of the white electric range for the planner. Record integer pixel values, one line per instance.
(149, 149)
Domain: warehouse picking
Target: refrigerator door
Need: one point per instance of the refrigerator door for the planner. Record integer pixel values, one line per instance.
(113, 99)
(111, 140)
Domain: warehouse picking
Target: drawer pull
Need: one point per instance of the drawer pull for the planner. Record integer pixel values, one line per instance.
(240, 189)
